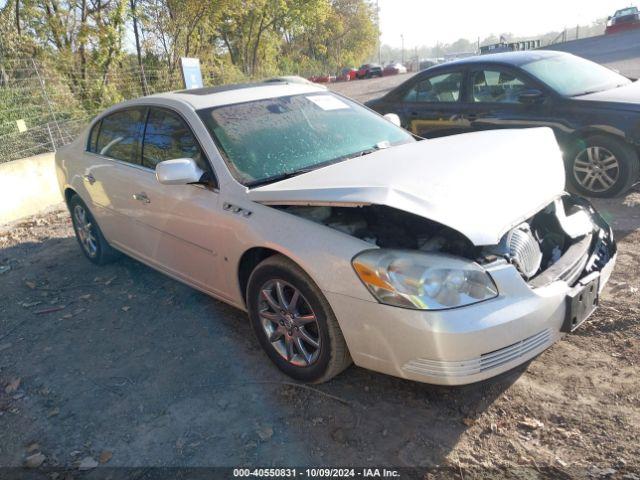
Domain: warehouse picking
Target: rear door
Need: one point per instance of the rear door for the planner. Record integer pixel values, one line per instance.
(112, 173)
(431, 106)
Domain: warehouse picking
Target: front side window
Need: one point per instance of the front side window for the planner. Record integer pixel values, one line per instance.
(264, 140)
(168, 137)
(493, 86)
(119, 135)
(573, 76)
(437, 89)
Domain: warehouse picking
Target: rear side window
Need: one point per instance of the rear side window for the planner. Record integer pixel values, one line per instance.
(168, 137)
(496, 86)
(437, 89)
(119, 135)
(93, 137)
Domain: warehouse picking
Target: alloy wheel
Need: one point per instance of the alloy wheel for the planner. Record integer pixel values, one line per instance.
(596, 169)
(85, 231)
(289, 323)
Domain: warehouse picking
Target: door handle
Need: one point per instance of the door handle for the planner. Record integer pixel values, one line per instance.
(90, 178)
(141, 197)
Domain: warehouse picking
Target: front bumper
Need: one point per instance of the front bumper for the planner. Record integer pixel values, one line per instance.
(461, 345)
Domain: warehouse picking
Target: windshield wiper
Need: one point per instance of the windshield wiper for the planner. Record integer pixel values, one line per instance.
(375, 148)
(295, 173)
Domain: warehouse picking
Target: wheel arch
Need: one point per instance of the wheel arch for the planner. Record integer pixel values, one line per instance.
(576, 136)
(251, 258)
(68, 193)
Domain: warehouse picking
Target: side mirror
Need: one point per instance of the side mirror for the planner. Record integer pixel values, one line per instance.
(531, 96)
(393, 118)
(180, 171)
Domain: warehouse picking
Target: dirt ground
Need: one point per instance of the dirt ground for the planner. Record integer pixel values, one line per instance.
(123, 361)
(122, 366)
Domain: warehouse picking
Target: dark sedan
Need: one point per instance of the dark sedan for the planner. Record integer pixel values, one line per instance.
(594, 111)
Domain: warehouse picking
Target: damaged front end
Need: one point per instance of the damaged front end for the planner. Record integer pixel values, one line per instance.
(567, 240)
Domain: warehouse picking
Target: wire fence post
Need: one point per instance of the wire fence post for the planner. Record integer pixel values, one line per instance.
(53, 145)
(46, 99)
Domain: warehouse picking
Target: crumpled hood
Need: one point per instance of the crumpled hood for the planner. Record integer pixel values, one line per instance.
(480, 184)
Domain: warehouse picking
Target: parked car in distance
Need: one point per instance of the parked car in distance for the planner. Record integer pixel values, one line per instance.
(594, 111)
(369, 70)
(322, 78)
(342, 236)
(624, 19)
(347, 74)
(394, 68)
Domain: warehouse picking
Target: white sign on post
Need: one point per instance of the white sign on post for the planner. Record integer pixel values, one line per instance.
(191, 73)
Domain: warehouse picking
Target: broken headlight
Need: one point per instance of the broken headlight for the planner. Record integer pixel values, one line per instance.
(423, 281)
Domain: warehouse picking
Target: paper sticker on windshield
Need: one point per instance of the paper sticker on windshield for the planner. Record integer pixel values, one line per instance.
(328, 102)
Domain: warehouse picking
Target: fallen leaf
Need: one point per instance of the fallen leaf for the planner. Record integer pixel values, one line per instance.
(54, 412)
(30, 304)
(35, 460)
(105, 456)
(12, 386)
(87, 463)
(32, 447)
(110, 281)
(531, 423)
(31, 285)
(67, 316)
(85, 297)
(468, 421)
(265, 433)
(126, 308)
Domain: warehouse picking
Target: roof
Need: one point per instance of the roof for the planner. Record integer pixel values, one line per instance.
(509, 58)
(208, 97)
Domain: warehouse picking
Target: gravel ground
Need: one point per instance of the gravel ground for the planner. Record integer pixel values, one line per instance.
(122, 366)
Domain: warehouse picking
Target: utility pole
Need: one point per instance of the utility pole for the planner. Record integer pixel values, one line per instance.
(402, 37)
(379, 32)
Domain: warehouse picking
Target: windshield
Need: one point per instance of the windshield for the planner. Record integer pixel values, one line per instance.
(571, 76)
(268, 139)
(626, 11)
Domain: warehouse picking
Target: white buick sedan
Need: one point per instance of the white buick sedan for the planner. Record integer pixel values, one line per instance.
(345, 239)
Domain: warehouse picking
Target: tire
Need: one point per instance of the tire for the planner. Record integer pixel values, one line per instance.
(97, 250)
(319, 364)
(602, 166)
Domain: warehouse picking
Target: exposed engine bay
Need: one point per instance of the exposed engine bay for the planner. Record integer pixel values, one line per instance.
(566, 240)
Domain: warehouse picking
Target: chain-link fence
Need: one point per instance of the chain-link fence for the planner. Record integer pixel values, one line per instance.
(42, 109)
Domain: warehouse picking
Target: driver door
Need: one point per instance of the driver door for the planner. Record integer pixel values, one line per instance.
(181, 232)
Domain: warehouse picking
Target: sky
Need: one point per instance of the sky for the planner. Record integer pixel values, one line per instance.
(426, 22)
